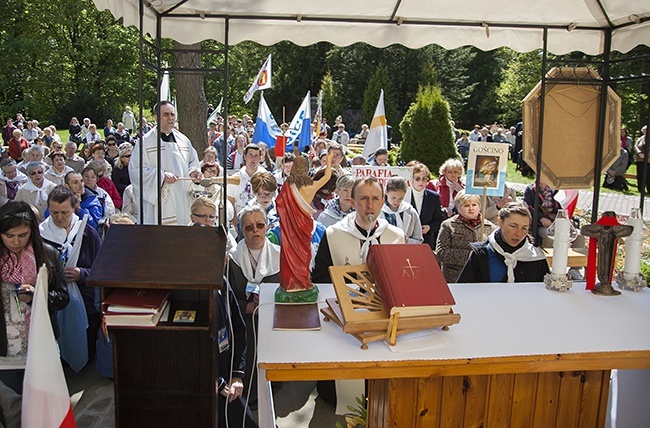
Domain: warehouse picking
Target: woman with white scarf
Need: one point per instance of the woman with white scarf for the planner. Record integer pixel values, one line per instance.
(36, 190)
(507, 255)
(254, 262)
(10, 180)
(400, 213)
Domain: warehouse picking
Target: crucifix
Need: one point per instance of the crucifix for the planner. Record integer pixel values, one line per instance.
(606, 231)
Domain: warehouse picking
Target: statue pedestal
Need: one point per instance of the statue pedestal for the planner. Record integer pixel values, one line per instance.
(302, 296)
(605, 289)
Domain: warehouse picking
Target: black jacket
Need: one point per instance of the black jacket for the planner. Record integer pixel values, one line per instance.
(477, 267)
(431, 215)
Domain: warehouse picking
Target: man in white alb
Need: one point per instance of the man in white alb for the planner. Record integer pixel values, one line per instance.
(178, 160)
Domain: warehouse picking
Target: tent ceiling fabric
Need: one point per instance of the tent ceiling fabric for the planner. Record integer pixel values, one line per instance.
(450, 24)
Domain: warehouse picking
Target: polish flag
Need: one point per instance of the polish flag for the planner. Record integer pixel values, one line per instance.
(568, 199)
(46, 400)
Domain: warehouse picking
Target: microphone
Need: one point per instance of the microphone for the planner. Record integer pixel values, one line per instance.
(371, 219)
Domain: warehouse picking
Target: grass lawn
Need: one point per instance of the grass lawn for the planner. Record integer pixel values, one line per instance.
(515, 176)
(64, 134)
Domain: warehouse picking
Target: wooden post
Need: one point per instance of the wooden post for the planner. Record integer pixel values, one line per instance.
(483, 202)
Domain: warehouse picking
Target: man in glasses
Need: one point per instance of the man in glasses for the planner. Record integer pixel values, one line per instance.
(178, 160)
(203, 212)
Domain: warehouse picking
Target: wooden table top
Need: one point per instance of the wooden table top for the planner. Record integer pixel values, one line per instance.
(505, 328)
(577, 258)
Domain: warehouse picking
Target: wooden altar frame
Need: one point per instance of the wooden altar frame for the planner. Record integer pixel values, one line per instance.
(564, 389)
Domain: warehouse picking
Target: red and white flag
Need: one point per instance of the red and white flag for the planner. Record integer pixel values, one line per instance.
(262, 81)
(46, 400)
(568, 199)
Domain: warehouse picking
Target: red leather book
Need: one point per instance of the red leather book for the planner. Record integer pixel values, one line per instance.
(409, 279)
(134, 301)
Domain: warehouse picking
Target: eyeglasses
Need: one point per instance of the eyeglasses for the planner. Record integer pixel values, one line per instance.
(205, 216)
(111, 144)
(254, 226)
(266, 195)
(36, 173)
(126, 156)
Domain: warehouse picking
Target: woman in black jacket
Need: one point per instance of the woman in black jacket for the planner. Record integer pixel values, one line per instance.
(22, 252)
(427, 204)
(507, 255)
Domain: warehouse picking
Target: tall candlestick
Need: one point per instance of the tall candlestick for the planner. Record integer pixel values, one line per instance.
(633, 244)
(561, 244)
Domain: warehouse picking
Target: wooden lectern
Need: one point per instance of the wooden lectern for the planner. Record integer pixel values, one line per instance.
(165, 376)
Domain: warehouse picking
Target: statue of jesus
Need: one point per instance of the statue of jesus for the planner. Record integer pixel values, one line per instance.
(296, 227)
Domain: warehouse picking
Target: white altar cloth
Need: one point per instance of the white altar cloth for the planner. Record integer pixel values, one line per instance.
(497, 320)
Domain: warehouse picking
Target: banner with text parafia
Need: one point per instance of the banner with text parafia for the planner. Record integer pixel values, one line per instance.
(383, 173)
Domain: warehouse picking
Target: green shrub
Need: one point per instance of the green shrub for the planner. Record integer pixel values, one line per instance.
(427, 135)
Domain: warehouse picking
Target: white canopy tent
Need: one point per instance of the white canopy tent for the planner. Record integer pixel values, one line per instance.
(574, 25)
(594, 27)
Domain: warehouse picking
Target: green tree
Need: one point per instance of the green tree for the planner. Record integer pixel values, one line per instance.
(331, 103)
(70, 60)
(519, 78)
(448, 70)
(380, 80)
(484, 70)
(426, 131)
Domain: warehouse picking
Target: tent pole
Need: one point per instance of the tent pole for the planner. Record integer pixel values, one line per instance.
(601, 123)
(540, 135)
(157, 113)
(141, 101)
(644, 166)
(224, 115)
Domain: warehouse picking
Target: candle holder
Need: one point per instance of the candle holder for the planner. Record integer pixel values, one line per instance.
(630, 277)
(563, 233)
(631, 281)
(560, 283)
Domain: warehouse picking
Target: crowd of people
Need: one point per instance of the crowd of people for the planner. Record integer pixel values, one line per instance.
(58, 198)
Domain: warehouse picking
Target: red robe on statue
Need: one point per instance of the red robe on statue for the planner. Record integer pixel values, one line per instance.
(296, 226)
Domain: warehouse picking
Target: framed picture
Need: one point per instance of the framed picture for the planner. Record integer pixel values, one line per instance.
(486, 168)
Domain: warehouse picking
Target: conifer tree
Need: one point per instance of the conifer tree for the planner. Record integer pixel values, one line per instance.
(427, 135)
(331, 104)
(380, 80)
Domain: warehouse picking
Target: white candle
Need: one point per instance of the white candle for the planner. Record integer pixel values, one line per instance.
(561, 246)
(633, 244)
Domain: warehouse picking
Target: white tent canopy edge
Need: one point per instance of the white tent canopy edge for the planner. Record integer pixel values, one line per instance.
(574, 25)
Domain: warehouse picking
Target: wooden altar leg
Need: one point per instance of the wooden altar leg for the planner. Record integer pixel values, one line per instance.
(553, 399)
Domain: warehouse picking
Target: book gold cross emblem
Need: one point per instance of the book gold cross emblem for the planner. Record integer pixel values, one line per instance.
(410, 271)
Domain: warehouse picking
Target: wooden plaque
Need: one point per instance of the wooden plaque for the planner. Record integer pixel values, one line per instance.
(570, 137)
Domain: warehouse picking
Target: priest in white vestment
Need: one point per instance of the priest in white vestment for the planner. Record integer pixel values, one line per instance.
(178, 160)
